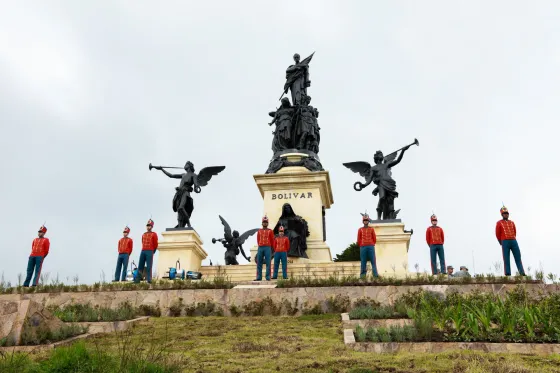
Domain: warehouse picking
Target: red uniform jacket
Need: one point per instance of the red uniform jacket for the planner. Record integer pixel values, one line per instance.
(40, 247)
(265, 237)
(281, 244)
(149, 241)
(366, 236)
(125, 245)
(434, 235)
(505, 230)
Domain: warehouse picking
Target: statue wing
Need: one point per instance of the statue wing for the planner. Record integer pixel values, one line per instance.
(227, 229)
(363, 168)
(244, 236)
(390, 158)
(206, 174)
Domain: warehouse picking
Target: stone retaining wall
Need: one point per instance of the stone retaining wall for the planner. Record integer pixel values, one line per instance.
(225, 298)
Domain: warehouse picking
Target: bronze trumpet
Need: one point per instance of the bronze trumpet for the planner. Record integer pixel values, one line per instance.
(158, 167)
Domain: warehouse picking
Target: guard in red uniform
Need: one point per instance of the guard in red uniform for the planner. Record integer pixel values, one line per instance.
(281, 247)
(39, 251)
(506, 234)
(125, 249)
(265, 240)
(435, 239)
(366, 242)
(149, 248)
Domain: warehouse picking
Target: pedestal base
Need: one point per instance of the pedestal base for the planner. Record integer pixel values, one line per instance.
(391, 249)
(184, 245)
(309, 194)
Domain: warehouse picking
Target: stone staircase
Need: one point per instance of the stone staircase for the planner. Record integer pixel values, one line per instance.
(246, 273)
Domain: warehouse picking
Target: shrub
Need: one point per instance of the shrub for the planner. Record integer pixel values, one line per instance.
(360, 334)
(366, 302)
(176, 308)
(338, 304)
(235, 311)
(149, 310)
(43, 335)
(367, 312)
(208, 308)
(392, 334)
(85, 312)
(312, 310)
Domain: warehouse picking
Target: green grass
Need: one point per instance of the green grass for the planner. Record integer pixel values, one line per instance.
(79, 358)
(311, 343)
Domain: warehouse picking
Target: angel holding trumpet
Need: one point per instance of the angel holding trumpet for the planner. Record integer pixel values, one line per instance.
(183, 202)
(380, 175)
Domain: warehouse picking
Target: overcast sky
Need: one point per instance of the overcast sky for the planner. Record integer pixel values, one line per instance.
(93, 91)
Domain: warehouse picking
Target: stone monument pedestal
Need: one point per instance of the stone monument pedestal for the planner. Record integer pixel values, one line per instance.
(181, 244)
(310, 195)
(391, 249)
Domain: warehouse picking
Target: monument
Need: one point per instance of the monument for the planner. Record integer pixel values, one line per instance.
(182, 243)
(295, 188)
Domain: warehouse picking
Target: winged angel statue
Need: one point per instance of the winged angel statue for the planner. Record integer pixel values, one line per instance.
(233, 242)
(380, 175)
(183, 202)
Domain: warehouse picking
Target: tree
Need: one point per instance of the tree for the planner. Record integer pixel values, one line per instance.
(350, 254)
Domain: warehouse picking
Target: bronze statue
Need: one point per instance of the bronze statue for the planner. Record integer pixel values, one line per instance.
(295, 227)
(381, 176)
(183, 202)
(282, 139)
(297, 128)
(233, 242)
(297, 79)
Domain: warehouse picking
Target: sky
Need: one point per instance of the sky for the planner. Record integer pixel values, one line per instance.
(91, 92)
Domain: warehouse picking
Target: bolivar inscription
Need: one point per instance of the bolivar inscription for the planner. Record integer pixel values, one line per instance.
(293, 195)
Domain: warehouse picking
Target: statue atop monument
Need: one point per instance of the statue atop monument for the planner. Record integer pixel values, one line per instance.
(296, 229)
(380, 175)
(297, 127)
(182, 201)
(297, 79)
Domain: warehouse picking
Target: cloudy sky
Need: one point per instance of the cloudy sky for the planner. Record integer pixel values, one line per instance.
(91, 92)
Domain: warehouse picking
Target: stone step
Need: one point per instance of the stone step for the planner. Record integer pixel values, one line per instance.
(245, 273)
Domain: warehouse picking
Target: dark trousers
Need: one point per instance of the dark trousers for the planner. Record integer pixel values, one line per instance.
(513, 247)
(263, 257)
(146, 260)
(368, 253)
(35, 263)
(281, 256)
(122, 266)
(437, 250)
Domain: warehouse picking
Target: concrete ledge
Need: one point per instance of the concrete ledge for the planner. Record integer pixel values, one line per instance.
(94, 328)
(437, 347)
(373, 323)
(112, 326)
(41, 348)
(349, 337)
